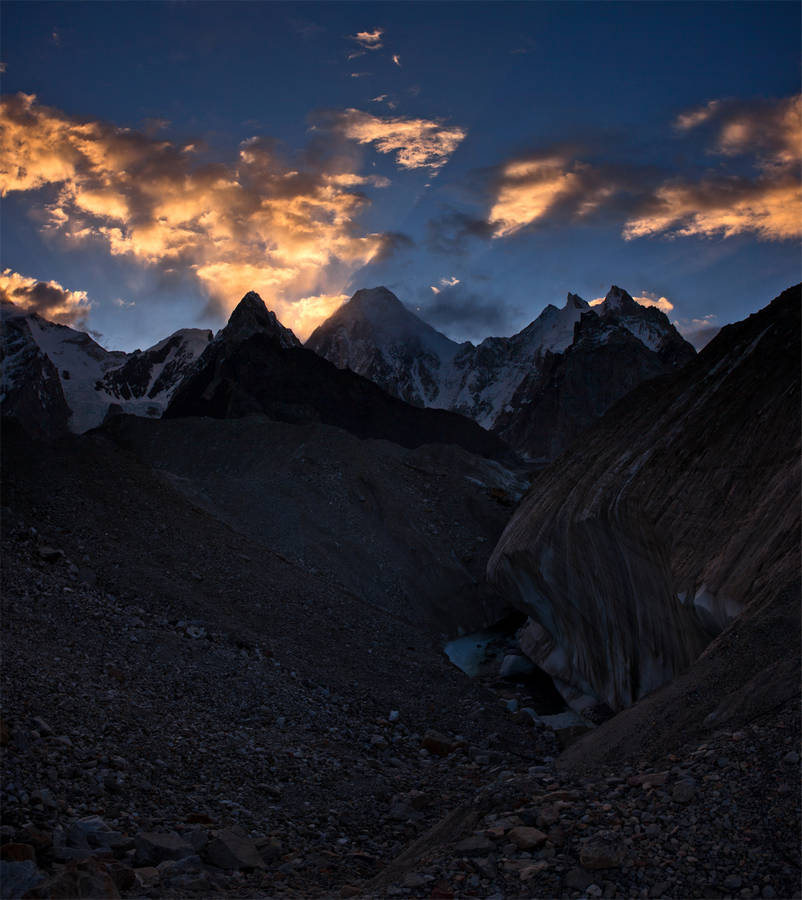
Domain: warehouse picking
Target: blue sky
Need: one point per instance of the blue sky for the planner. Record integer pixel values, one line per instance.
(480, 159)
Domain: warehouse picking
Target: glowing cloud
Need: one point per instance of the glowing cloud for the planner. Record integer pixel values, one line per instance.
(646, 299)
(397, 59)
(47, 298)
(369, 40)
(768, 204)
(529, 189)
(417, 143)
(259, 224)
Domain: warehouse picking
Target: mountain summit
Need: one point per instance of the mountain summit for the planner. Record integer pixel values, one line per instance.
(251, 316)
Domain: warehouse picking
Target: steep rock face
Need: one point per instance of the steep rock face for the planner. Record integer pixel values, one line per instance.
(666, 518)
(569, 391)
(152, 374)
(55, 377)
(30, 389)
(256, 370)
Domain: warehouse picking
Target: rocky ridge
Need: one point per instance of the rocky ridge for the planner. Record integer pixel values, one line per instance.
(55, 378)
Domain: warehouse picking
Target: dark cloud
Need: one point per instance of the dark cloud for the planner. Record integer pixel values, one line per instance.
(393, 242)
(452, 232)
(464, 314)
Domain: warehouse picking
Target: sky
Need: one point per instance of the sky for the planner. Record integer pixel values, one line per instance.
(158, 160)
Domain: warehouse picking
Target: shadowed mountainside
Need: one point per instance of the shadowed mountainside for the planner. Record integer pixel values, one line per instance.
(662, 522)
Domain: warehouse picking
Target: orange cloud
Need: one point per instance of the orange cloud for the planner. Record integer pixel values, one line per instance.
(768, 204)
(369, 40)
(646, 299)
(417, 143)
(529, 189)
(258, 224)
(48, 298)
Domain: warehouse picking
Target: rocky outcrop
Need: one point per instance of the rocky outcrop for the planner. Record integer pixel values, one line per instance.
(252, 368)
(666, 518)
(569, 391)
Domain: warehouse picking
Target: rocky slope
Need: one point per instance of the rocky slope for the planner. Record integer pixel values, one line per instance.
(666, 519)
(251, 368)
(408, 531)
(500, 383)
(54, 377)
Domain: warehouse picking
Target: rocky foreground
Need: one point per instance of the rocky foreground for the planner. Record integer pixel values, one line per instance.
(187, 714)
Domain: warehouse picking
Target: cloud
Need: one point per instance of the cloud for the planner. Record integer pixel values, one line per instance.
(47, 298)
(647, 298)
(261, 223)
(380, 99)
(540, 185)
(397, 59)
(767, 203)
(463, 314)
(451, 232)
(392, 242)
(123, 304)
(416, 143)
(369, 40)
(3, 68)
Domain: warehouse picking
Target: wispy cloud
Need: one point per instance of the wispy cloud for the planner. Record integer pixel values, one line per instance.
(259, 223)
(397, 59)
(416, 143)
(47, 298)
(767, 203)
(529, 189)
(369, 40)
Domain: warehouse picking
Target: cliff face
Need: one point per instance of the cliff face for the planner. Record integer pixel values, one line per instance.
(663, 521)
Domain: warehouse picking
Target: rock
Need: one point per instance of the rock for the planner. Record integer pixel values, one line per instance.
(394, 715)
(791, 757)
(647, 780)
(516, 666)
(683, 792)
(41, 726)
(438, 743)
(17, 852)
(604, 851)
(526, 837)
(153, 848)
(231, 848)
(476, 845)
(50, 554)
(530, 871)
(732, 882)
(147, 876)
(578, 879)
(44, 797)
(85, 880)
(18, 877)
(4, 733)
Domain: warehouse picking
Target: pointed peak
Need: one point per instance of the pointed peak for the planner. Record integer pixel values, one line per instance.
(375, 297)
(574, 301)
(251, 316)
(618, 300)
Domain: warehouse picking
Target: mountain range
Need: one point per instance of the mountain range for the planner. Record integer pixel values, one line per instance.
(535, 390)
(521, 387)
